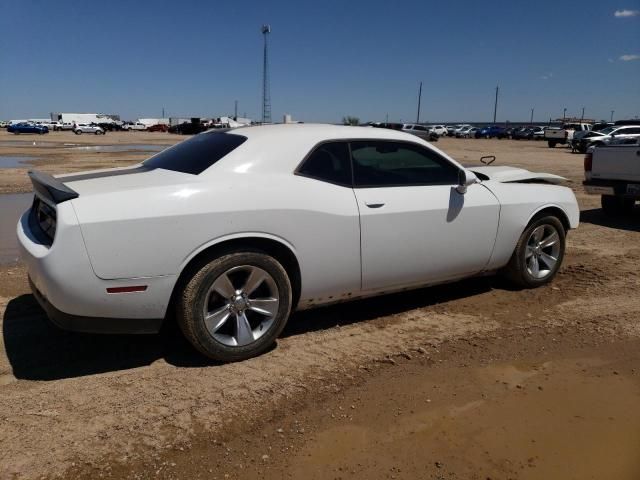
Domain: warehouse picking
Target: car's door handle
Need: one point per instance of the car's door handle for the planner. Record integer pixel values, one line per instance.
(374, 205)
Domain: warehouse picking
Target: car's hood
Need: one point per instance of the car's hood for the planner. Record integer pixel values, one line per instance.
(120, 179)
(506, 174)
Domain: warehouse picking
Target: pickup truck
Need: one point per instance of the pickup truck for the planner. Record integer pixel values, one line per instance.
(563, 135)
(613, 172)
(59, 126)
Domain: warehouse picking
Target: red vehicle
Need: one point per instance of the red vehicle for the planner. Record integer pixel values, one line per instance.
(159, 127)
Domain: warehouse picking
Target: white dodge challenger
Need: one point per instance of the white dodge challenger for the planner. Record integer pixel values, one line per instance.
(230, 232)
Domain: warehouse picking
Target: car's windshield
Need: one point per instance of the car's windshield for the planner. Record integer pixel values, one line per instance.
(608, 130)
(196, 154)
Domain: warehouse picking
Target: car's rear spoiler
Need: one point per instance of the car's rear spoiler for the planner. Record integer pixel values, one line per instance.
(51, 188)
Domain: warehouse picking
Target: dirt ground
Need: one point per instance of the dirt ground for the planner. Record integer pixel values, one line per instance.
(472, 380)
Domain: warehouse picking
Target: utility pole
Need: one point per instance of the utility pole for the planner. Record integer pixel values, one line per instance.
(235, 116)
(419, 99)
(582, 117)
(495, 106)
(564, 114)
(386, 118)
(162, 112)
(531, 121)
(612, 111)
(266, 95)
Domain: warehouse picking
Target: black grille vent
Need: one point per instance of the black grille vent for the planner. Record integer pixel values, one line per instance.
(45, 218)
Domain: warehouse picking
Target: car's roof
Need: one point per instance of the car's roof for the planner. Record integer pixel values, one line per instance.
(317, 132)
(281, 147)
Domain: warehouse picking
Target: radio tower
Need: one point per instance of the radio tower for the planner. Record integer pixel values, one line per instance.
(266, 96)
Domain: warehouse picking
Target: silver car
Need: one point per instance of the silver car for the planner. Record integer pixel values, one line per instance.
(84, 128)
(417, 130)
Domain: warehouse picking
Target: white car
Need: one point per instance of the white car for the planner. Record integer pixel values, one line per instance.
(439, 130)
(234, 230)
(134, 126)
(85, 128)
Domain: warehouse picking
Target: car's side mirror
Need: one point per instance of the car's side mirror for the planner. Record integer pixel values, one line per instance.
(465, 178)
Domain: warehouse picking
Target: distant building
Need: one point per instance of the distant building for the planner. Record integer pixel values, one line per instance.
(84, 118)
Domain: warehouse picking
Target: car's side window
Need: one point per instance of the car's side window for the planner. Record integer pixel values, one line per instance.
(386, 163)
(329, 162)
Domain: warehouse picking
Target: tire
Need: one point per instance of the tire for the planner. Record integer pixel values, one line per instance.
(230, 340)
(78, 132)
(616, 206)
(528, 253)
(551, 144)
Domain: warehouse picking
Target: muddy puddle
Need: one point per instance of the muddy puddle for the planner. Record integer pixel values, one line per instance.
(12, 206)
(9, 161)
(578, 419)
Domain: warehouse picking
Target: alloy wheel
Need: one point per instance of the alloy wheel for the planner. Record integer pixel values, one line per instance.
(542, 251)
(241, 305)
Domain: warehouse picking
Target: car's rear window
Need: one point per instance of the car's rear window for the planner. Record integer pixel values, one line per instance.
(196, 154)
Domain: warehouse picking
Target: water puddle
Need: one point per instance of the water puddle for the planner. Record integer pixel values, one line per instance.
(28, 143)
(12, 206)
(131, 147)
(8, 161)
(141, 147)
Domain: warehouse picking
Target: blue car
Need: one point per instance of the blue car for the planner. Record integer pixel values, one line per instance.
(27, 128)
(491, 131)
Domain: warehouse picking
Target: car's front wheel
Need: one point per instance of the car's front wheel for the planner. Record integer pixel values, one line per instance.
(234, 307)
(538, 253)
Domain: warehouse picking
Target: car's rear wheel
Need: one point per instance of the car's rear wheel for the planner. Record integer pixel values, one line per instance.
(538, 253)
(235, 306)
(78, 132)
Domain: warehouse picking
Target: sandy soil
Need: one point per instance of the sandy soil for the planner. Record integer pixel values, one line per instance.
(465, 381)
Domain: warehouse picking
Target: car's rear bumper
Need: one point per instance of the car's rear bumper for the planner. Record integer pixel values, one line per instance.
(64, 283)
(619, 188)
(76, 323)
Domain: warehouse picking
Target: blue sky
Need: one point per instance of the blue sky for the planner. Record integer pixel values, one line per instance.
(328, 58)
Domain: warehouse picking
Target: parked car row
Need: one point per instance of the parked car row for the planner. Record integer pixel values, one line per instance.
(615, 134)
(495, 131)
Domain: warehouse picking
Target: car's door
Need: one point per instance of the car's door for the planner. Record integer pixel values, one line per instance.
(415, 226)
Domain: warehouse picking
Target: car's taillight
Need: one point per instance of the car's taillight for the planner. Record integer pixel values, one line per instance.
(588, 162)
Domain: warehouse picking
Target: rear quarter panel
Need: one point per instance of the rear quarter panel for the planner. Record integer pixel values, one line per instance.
(155, 231)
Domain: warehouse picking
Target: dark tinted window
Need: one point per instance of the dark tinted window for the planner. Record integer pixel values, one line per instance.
(329, 162)
(379, 163)
(196, 154)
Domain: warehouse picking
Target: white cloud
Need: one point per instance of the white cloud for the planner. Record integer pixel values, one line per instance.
(547, 76)
(626, 13)
(629, 58)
